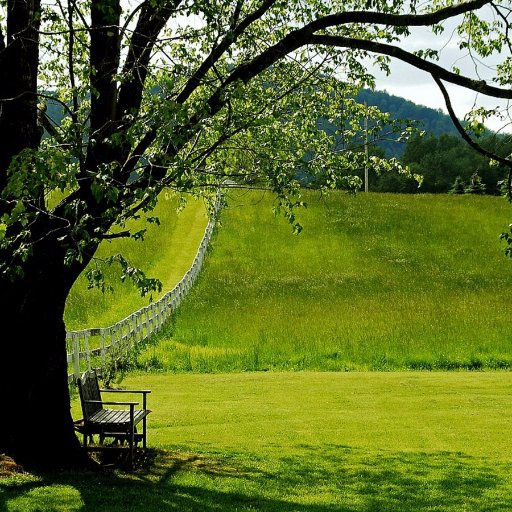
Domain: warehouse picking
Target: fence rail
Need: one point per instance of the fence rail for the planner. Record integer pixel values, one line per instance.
(141, 324)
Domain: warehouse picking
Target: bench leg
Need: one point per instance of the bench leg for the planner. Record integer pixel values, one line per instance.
(131, 436)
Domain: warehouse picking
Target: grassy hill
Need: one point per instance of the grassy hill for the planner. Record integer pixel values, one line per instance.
(166, 254)
(374, 282)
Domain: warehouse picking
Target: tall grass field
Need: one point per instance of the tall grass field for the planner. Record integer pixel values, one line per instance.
(373, 282)
(166, 253)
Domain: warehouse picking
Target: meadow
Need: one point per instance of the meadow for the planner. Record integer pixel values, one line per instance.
(303, 441)
(373, 282)
(166, 254)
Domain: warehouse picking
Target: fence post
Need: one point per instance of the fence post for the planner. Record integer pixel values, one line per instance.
(148, 328)
(138, 327)
(103, 353)
(76, 357)
(86, 335)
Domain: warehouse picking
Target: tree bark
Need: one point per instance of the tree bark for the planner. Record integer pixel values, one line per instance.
(19, 63)
(36, 427)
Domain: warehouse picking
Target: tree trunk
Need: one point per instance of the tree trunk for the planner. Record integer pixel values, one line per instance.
(19, 62)
(36, 427)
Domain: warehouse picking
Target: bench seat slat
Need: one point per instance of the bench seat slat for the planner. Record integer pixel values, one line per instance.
(116, 417)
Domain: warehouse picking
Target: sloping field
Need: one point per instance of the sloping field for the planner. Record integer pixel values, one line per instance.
(166, 254)
(373, 282)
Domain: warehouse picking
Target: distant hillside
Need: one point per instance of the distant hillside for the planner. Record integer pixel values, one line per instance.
(433, 121)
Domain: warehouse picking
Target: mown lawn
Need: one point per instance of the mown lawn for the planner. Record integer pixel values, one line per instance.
(374, 282)
(305, 441)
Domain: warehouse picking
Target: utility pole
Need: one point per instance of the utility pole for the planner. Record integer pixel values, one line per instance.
(365, 147)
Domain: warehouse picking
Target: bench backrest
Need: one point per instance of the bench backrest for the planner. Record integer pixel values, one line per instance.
(89, 389)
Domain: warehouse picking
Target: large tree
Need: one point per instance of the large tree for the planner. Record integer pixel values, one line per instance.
(179, 94)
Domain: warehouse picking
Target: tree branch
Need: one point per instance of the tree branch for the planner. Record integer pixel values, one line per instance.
(220, 49)
(396, 20)
(462, 131)
(152, 19)
(19, 64)
(306, 35)
(113, 236)
(479, 86)
(104, 33)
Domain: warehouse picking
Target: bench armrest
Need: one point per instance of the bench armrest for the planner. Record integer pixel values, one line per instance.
(109, 403)
(145, 391)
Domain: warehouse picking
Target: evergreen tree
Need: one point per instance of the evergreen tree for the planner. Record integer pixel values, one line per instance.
(475, 185)
(458, 186)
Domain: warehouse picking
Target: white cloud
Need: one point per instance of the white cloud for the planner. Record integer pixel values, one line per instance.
(419, 87)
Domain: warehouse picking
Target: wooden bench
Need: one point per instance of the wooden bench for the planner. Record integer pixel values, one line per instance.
(117, 423)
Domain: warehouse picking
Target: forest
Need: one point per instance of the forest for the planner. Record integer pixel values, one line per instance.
(446, 164)
(434, 151)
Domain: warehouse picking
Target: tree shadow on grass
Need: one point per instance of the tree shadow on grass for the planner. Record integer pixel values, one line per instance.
(408, 481)
(332, 478)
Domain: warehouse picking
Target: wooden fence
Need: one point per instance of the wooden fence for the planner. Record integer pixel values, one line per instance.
(139, 325)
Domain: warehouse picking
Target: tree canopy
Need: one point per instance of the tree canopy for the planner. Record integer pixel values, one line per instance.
(181, 94)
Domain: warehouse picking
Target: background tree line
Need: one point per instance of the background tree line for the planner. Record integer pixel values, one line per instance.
(440, 161)
(435, 152)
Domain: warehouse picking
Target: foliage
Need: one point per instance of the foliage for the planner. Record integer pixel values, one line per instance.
(119, 359)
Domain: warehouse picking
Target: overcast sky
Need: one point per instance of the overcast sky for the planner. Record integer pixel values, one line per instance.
(419, 87)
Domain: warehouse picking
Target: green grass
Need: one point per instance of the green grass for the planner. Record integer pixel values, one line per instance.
(305, 441)
(376, 282)
(166, 253)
